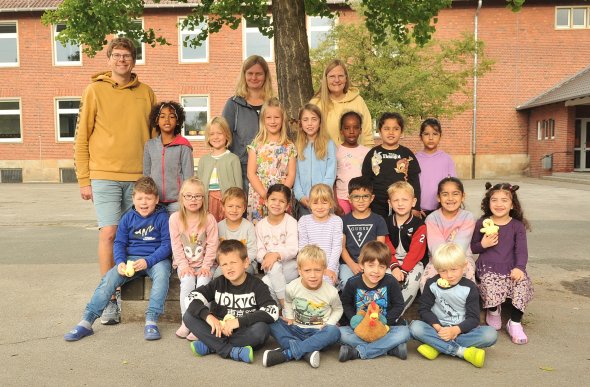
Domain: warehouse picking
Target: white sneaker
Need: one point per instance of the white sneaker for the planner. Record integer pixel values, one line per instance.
(111, 315)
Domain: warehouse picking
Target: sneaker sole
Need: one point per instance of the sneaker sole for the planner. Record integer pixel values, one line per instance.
(314, 359)
(110, 321)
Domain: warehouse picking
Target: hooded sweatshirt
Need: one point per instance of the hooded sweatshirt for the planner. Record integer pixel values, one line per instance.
(112, 129)
(352, 101)
(243, 122)
(168, 165)
(147, 237)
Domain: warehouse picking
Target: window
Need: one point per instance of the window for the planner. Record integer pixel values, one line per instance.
(539, 130)
(551, 124)
(572, 18)
(139, 46)
(10, 125)
(192, 54)
(8, 44)
(319, 28)
(255, 43)
(196, 109)
(68, 55)
(67, 115)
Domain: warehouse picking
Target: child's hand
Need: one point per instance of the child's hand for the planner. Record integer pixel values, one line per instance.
(140, 264)
(230, 325)
(449, 333)
(355, 268)
(289, 321)
(305, 202)
(417, 213)
(203, 272)
(332, 275)
(214, 324)
(269, 260)
(516, 274)
(489, 240)
(121, 268)
(398, 274)
(187, 271)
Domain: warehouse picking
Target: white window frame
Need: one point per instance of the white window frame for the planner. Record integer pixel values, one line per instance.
(11, 36)
(59, 111)
(181, 34)
(311, 29)
(551, 124)
(54, 44)
(142, 44)
(13, 112)
(539, 130)
(584, 24)
(252, 30)
(195, 109)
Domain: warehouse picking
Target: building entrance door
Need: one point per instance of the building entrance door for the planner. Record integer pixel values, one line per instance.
(582, 145)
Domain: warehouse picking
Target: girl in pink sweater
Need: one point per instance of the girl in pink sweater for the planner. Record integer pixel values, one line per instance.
(450, 223)
(194, 237)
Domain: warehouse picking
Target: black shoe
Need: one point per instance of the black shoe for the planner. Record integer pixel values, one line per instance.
(347, 353)
(273, 357)
(400, 351)
(313, 358)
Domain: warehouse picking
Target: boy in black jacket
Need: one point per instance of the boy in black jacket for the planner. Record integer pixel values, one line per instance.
(241, 308)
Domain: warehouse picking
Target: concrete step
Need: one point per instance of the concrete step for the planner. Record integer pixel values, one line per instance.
(135, 296)
(573, 177)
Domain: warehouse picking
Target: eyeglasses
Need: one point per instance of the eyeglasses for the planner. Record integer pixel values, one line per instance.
(118, 56)
(358, 198)
(193, 197)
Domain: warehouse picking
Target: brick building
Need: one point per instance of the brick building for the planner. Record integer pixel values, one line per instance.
(534, 50)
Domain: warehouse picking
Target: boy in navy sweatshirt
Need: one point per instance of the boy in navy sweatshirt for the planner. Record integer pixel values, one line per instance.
(143, 241)
(240, 308)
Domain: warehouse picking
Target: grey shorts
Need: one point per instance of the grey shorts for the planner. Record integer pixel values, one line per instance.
(111, 200)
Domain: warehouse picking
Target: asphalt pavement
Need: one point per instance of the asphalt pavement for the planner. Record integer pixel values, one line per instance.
(48, 271)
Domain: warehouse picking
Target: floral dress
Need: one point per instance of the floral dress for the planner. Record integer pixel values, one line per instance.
(272, 160)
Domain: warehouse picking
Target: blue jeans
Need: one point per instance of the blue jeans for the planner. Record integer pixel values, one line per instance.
(396, 336)
(480, 337)
(303, 340)
(160, 275)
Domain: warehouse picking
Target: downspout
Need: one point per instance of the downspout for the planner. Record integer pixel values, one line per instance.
(475, 67)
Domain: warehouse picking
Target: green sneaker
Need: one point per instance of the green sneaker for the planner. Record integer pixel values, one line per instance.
(428, 352)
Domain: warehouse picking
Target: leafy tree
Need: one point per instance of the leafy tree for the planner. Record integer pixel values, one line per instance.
(89, 22)
(416, 81)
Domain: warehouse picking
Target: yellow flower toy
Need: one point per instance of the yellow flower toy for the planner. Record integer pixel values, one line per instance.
(489, 228)
(443, 283)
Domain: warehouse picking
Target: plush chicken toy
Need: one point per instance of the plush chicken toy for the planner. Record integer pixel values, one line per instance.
(370, 325)
(489, 228)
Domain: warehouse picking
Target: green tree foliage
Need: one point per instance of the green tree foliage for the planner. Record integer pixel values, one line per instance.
(417, 81)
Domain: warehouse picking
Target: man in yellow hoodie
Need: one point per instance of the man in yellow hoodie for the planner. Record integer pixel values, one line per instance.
(112, 128)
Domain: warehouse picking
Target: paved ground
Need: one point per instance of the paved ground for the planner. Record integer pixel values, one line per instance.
(48, 271)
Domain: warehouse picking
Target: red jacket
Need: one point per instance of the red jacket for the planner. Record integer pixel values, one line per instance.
(412, 237)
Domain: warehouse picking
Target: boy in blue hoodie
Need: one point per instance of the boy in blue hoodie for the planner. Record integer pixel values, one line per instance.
(142, 247)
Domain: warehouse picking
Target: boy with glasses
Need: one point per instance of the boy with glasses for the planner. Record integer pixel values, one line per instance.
(111, 132)
(360, 226)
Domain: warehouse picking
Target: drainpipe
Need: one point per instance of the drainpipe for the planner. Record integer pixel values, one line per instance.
(474, 129)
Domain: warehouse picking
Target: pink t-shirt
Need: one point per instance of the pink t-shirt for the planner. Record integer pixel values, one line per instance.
(348, 165)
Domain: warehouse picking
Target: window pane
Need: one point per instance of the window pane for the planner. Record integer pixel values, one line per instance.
(10, 126)
(257, 44)
(67, 53)
(188, 102)
(8, 28)
(316, 38)
(579, 17)
(69, 104)
(562, 18)
(9, 105)
(193, 53)
(316, 21)
(8, 51)
(195, 123)
(67, 125)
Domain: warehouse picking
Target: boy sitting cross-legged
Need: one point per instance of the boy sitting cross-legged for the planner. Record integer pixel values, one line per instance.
(449, 309)
(241, 307)
(142, 238)
(373, 285)
(312, 309)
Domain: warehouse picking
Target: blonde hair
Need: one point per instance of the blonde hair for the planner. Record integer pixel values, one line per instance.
(242, 86)
(448, 255)
(400, 186)
(234, 193)
(323, 93)
(375, 251)
(183, 213)
(223, 125)
(321, 142)
(313, 254)
(262, 136)
(322, 192)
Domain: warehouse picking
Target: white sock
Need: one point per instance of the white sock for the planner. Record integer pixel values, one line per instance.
(85, 324)
(150, 322)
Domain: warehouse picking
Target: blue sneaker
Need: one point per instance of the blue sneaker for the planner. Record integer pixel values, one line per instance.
(199, 348)
(151, 332)
(245, 354)
(79, 332)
